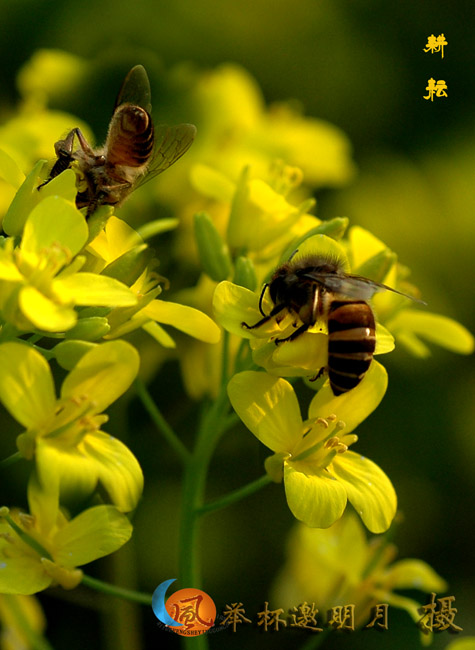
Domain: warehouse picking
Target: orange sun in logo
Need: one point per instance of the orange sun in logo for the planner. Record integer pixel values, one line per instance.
(194, 609)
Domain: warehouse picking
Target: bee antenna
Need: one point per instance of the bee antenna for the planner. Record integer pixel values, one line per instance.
(293, 254)
(261, 299)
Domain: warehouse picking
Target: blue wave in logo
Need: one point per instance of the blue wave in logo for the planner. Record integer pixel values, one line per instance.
(158, 604)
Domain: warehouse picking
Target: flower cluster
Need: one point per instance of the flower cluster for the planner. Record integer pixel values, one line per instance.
(70, 288)
(312, 456)
(73, 285)
(338, 566)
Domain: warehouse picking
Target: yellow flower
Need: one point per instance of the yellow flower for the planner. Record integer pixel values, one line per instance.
(112, 244)
(44, 547)
(304, 356)
(21, 618)
(40, 280)
(407, 324)
(338, 566)
(64, 435)
(320, 473)
(238, 129)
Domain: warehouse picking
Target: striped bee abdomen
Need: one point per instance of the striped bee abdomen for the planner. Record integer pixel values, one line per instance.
(131, 138)
(351, 343)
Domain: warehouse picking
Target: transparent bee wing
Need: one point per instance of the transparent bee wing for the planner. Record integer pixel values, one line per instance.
(353, 286)
(171, 142)
(135, 90)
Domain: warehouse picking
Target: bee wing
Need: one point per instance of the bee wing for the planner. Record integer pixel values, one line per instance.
(353, 286)
(171, 142)
(135, 90)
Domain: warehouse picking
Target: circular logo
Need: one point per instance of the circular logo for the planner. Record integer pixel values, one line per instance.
(194, 609)
(188, 612)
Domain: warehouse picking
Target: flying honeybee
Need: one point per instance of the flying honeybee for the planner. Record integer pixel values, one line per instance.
(134, 151)
(316, 288)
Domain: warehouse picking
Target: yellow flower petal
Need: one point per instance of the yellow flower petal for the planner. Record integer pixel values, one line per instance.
(186, 319)
(314, 497)
(368, 488)
(414, 574)
(234, 305)
(117, 468)
(364, 245)
(103, 374)
(159, 334)
(22, 575)
(94, 533)
(78, 470)
(45, 314)
(10, 171)
(26, 384)
(92, 289)
(354, 406)
(54, 220)
(438, 329)
(384, 340)
(268, 407)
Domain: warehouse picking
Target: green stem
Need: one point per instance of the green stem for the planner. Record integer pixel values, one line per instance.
(209, 432)
(234, 496)
(48, 354)
(225, 359)
(14, 458)
(118, 592)
(162, 425)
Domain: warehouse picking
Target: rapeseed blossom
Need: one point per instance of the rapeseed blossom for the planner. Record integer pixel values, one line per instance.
(45, 547)
(320, 473)
(339, 565)
(72, 454)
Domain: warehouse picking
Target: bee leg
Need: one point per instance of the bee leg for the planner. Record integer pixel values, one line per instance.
(261, 299)
(274, 312)
(318, 375)
(64, 153)
(303, 328)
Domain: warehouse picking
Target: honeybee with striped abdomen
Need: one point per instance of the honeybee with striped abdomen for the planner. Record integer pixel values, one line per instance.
(134, 151)
(315, 288)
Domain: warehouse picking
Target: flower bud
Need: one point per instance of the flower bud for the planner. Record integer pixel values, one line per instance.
(378, 266)
(129, 267)
(245, 273)
(68, 353)
(89, 329)
(213, 252)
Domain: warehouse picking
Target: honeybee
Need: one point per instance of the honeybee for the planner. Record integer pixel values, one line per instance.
(316, 288)
(134, 151)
